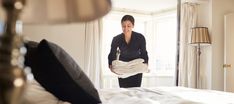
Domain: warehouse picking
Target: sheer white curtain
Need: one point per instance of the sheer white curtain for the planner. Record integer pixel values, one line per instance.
(92, 67)
(187, 63)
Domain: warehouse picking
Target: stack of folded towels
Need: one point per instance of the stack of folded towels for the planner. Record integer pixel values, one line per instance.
(127, 69)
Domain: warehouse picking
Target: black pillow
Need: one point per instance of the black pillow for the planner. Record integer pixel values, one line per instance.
(31, 47)
(59, 74)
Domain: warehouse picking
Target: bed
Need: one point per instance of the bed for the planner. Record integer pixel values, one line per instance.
(58, 79)
(36, 94)
(165, 95)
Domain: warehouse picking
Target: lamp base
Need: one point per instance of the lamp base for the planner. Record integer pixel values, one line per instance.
(12, 85)
(12, 76)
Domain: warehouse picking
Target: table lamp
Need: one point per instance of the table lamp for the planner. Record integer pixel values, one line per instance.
(12, 50)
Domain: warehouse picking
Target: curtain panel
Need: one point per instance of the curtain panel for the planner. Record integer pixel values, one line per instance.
(187, 59)
(93, 37)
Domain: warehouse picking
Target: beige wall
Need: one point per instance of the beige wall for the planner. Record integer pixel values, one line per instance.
(211, 14)
(70, 37)
(219, 9)
(204, 18)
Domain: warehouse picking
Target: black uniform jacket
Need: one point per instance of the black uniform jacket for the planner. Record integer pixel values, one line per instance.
(136, 48)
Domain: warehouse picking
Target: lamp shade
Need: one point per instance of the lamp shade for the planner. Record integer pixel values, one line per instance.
(200, 35)
(87, 10)
(64, 11)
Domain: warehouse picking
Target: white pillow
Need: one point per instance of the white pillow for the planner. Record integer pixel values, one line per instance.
(36, 94)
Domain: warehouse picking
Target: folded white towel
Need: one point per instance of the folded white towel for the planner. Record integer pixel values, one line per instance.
(127, 69)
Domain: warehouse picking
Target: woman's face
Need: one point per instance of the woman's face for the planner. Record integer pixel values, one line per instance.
(127, 27)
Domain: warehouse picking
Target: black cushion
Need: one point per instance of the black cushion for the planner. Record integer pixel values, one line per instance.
(59, 74)
(31, 47)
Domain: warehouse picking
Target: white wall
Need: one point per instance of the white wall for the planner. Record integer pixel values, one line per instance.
(70, 37)
(211, 14)
(219, 9)
(204, 18)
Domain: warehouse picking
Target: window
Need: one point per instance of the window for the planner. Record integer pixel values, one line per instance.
(163, 48)
(160, 34)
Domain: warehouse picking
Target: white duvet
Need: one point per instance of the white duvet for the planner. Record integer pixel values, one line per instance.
(35, 94)
(165, 95)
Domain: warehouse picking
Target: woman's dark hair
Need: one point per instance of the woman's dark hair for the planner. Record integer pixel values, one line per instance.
(128, 18)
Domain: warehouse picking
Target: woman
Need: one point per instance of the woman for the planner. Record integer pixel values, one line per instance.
(131, 45)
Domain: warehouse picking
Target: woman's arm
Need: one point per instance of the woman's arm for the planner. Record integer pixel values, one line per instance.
(112, 54)
(144, 53)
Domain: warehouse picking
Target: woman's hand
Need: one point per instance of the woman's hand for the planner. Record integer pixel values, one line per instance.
(148, 71)
(111, 68)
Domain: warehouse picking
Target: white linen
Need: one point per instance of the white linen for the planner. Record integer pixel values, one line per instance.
(127, 69)
(36, 94)
(203, 96)
(164, 95)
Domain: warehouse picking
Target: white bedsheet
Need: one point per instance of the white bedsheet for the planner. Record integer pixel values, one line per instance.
(164, 95)
(35, 94)
(201, 95)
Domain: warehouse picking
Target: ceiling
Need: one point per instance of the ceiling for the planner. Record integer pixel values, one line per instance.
(148, 6)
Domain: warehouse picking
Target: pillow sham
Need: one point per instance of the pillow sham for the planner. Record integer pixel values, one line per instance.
(59, 74)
